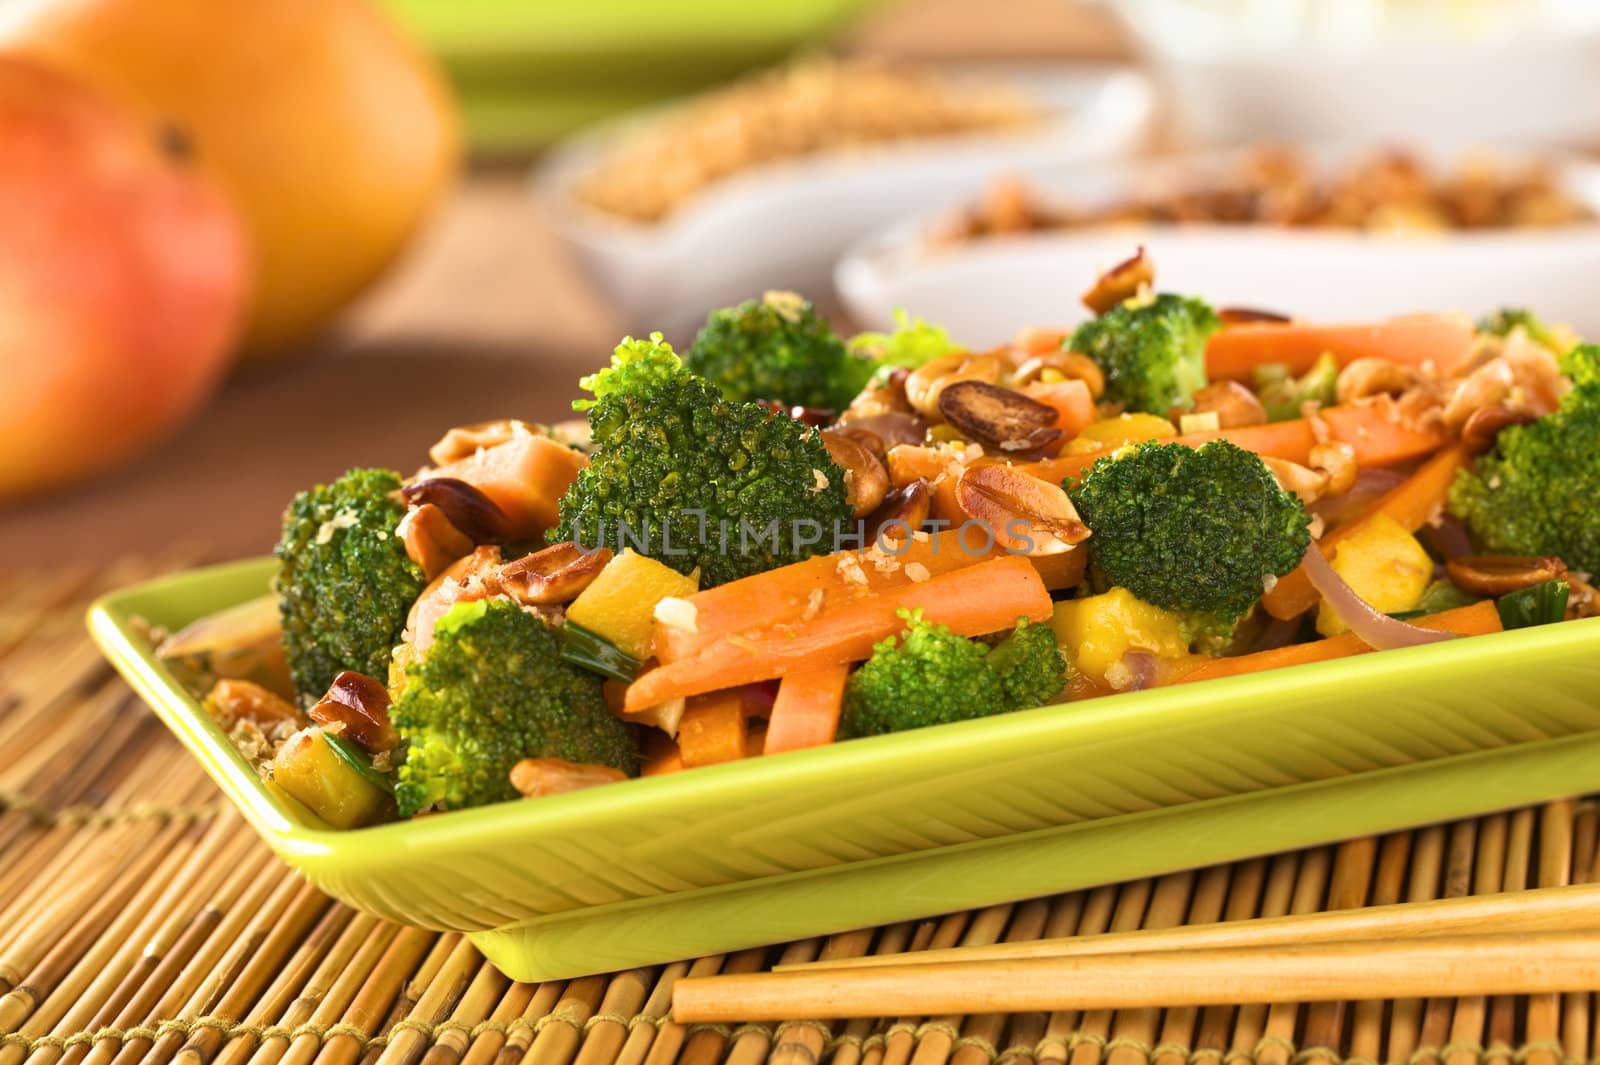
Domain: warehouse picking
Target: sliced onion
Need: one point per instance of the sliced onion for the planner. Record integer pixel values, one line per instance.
(1135, 671)
(1377, 629)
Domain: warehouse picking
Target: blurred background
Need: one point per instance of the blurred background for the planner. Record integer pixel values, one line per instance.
(244, 247)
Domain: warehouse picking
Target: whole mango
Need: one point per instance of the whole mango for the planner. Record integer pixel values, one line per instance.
(331, 131)
(123, 281)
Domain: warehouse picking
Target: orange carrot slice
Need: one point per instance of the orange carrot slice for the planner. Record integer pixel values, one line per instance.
(1410, 503)
(1073, 404)
(972, 600)
(806, 712)
(1443, 340)
(1376, 439)
(1476, 620)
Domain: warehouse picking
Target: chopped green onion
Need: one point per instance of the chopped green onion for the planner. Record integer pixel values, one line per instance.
(358, 760)
(1542, 604)
(597, 654)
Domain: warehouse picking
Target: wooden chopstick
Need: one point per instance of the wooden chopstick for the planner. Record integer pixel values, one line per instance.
(1494, 964)
(1542, 910)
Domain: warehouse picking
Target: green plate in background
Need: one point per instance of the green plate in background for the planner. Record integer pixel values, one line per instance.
(529, 72)
(946, 818)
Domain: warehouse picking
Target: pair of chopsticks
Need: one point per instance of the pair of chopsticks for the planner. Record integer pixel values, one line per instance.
(1525, 942)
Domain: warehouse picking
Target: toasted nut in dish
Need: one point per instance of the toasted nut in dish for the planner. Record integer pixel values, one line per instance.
(867, 439)
(477, 516)
(1337, 460)
(924, 384)
(1069, 365)
(1123, 281)
(1025, 514)
(1308, 484)
(1371, 377)
(230, 701)
(1234, 405)
(1484, 425)
(556, 574)
(865, 478)
(1249, 315)
(358, 707)
(1487, 386)
(1497, 575)
(901, 513)
(998, 417)
(432, 542)
(464, 440)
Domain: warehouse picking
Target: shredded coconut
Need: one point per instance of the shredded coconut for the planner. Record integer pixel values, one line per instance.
(851, 570)
(678, 613)
(821, 484)
(814, 604)
(917, 572)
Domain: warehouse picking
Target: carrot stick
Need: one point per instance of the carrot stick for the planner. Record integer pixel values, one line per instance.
(791, 592)
(1476, 620)
(1410, 503)
(973, 600)
(806, 712)
(1377, 441)
(1444, 340)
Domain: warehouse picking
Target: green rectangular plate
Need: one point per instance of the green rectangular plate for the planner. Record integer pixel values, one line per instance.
(908, 825)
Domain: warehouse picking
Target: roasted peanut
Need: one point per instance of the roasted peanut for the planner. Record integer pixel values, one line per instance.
(358, 707)
(1487, 386)
(431, 541)
(890, 427)
(1483, 427)
(901, 513)
(1024, 513)
(1308, 484)
(1497, 575)
(1233, 404)
(1123, 281)
(924, 385)
(865, 478)
(1249, 315)
(465, 440)
(998, 417)
(1371, 377)
(1337, 460)
(1071, 365)
(231, 701)
(554, 575)
(477, 516)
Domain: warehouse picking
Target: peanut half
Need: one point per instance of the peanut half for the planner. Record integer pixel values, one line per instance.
(1025, 514)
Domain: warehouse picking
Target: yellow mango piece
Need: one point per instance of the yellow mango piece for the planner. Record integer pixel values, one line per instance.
(1385, 565)
(308, 769)
(1098, 630)
(1120, 431)
(620, 603)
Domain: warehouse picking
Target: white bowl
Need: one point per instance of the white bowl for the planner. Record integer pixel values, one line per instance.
(1236, 70)
(785, 225)
(986, 289)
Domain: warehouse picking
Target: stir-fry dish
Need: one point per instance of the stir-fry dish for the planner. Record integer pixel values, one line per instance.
(782, 539)
(1270, 185)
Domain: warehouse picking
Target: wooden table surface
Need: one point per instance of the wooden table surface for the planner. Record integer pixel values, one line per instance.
(486, 317)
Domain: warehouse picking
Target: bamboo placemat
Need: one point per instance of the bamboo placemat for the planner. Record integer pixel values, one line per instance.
(142, 921)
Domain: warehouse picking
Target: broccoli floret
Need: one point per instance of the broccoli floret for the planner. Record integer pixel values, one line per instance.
(491, 690)
(344, 582)
(1283, 395)
(777, 349)
(1534, 493)
(930, 676)
(913, 344)
(1501, 323)
(1191, 529)
(687, 477)
(1152, 352)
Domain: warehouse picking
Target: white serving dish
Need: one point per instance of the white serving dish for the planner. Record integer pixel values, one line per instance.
(785, 225)
(983, 290)
(1452, 72)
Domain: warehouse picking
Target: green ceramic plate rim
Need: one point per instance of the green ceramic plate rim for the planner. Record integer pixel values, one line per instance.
(111, 623)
